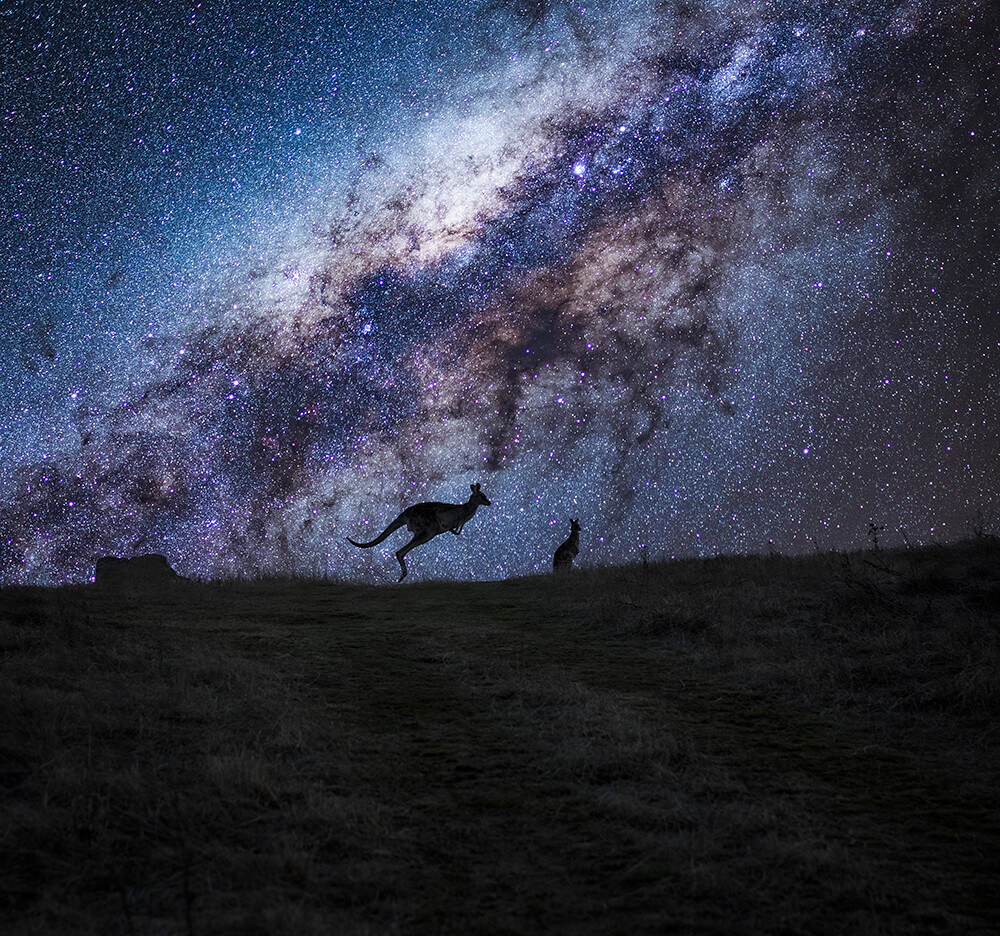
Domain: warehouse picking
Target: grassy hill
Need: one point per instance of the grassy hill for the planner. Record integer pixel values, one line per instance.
(752, 745)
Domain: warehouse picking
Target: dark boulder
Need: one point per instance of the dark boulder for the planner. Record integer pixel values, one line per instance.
(139, 572)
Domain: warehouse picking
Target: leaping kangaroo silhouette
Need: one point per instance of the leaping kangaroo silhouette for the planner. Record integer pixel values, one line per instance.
(427, 520)
(567, 552)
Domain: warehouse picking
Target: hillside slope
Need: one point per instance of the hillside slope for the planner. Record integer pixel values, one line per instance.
(751, 745)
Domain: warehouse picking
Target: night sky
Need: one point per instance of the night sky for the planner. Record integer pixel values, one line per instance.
(714, 277)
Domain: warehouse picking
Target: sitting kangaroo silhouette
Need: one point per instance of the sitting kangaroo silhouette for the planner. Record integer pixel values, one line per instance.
(427, 520)
(568, 551)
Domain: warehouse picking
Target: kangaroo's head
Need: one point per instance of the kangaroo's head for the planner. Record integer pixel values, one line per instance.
(574, 526)
(478, 497)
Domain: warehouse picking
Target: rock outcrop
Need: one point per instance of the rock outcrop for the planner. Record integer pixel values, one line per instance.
(147, 571)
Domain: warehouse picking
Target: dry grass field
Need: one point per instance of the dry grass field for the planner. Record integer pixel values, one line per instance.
(734, 745)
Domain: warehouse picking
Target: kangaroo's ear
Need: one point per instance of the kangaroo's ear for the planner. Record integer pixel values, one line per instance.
(475, 487)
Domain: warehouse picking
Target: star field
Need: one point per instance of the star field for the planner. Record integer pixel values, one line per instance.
(710, 277)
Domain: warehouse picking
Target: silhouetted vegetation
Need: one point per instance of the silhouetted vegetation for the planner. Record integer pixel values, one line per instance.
(752, 745)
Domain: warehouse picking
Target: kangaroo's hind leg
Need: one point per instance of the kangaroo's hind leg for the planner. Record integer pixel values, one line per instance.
(418, 540)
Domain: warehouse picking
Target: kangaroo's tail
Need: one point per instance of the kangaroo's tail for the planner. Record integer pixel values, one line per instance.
(391, 528)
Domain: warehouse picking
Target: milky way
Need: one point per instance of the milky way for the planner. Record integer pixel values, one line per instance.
(712, 277)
